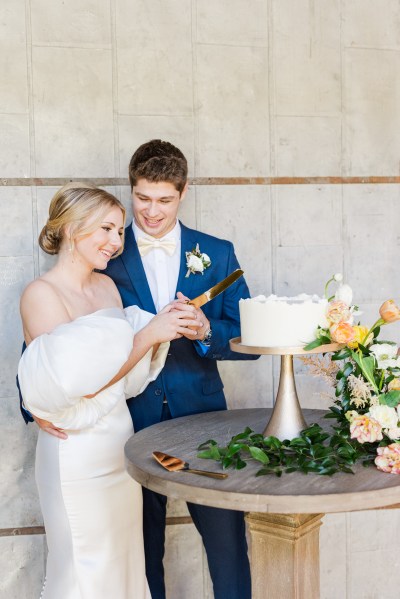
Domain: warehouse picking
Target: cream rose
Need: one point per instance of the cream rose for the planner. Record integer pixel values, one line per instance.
(195, 264)
(385, 415)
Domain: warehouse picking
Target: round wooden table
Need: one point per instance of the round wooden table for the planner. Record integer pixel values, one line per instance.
(283, 514)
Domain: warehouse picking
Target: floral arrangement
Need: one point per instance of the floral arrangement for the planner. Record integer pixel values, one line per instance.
(365, 372)
(367, 383)
(196, 261)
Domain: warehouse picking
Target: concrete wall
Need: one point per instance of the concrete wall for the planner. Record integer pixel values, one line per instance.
(305, 91)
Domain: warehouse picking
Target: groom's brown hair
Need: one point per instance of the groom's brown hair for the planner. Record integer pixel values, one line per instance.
(159, 161)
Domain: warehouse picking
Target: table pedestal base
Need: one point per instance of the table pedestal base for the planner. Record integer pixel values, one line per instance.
(284, 555)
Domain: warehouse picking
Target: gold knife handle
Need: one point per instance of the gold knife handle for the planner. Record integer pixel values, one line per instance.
(199, 301)
(206, 473)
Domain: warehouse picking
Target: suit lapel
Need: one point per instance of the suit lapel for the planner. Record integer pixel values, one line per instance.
(134, 266)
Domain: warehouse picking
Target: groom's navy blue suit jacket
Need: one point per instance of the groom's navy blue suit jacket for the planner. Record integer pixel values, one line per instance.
(190, 380)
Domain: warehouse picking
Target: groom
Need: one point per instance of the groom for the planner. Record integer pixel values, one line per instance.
(152, 267)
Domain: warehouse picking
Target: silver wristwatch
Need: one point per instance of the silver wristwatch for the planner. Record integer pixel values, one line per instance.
(207, 337)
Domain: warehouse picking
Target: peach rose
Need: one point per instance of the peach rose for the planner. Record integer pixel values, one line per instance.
(338, 311)
(365, 429)
(388, 458)
(342, 333)
(389, 311)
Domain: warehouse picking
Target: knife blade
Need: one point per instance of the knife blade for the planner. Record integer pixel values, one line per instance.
(208, 295)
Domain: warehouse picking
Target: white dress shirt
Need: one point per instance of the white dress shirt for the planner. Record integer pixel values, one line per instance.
(161, 270)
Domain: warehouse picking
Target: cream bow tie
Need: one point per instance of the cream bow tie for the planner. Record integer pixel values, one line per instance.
(145, 245)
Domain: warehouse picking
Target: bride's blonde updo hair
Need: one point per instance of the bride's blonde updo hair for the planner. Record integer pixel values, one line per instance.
(82, 207)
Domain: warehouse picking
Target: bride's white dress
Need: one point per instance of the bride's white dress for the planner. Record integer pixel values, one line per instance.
(92, 509)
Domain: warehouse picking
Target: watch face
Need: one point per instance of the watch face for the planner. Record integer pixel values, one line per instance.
(207, 337)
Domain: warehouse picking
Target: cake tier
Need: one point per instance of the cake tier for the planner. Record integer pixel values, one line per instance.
(281, 321)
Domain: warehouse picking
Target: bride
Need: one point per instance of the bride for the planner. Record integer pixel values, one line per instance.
(86, 354)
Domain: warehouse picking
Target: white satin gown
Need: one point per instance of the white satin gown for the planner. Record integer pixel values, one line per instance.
(92, 509)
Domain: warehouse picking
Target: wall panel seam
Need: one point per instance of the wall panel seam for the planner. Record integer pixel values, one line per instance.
(110, 181)
(40, 530)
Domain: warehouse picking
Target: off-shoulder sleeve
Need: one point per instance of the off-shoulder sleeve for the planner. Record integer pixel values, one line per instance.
(148, 368)
(76, 359)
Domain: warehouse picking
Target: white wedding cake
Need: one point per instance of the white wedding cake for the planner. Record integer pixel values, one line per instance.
(281, 321)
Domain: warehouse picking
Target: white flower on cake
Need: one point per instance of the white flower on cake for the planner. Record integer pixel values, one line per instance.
(196, 261)
(385, 355)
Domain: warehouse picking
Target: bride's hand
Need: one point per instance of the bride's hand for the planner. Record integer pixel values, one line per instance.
(49, 428)
(177, 319)
(200, 317)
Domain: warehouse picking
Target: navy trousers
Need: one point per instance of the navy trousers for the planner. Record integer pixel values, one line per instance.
(223, 535)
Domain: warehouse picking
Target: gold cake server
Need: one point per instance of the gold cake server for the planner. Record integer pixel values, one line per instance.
(173, 464)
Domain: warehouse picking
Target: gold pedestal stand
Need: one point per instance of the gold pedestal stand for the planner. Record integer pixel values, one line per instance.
(287, 419)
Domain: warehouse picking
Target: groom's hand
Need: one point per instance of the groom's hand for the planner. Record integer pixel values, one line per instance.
(200, 317)
(48, 427)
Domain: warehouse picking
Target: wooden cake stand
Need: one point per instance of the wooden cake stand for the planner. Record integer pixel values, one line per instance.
(287, 420)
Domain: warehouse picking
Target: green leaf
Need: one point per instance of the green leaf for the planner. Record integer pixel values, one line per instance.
(210, 454)
(364, 350)
(376, 332)
(391, 399)
(207, 443)
(233, 449)
(298, 442)
(257, 438)
(348, 369)
(314, 344)
(243, 435)
(272, 442)
(347, 469)
(341, 354)
(227, 462)
(240, 464)
(327, 471)
(340, 386)
(367, 367)
(264, 471)
(259, 455)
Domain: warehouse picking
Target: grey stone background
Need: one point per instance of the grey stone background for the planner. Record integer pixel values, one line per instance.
(266, 88)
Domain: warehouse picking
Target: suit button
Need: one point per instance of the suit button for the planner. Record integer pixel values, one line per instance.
(158, 391)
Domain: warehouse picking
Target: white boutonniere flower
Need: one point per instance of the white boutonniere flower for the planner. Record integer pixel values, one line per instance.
(196, 261)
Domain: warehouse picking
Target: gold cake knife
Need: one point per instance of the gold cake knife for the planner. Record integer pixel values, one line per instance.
(216, 290)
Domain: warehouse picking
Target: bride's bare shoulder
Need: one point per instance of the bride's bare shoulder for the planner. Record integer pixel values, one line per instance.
(109, 287)
(42, 309)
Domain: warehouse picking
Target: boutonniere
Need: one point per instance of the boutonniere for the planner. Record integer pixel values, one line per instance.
(196, 261)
